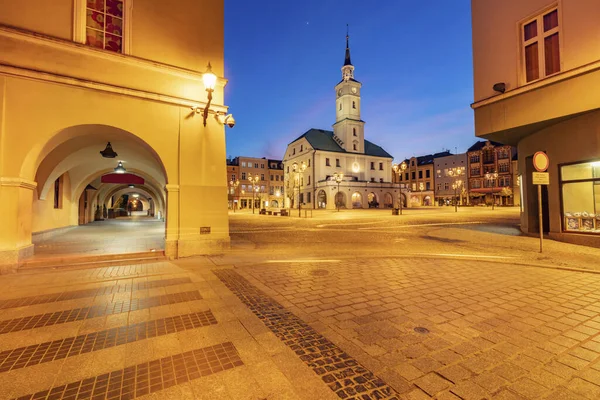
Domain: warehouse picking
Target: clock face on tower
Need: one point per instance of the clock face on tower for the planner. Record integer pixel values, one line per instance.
(354, 90)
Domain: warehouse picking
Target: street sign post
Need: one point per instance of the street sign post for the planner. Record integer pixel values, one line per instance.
(541, 161)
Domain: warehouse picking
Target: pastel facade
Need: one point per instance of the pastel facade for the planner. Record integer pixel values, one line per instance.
(544, 59)
(484, 159)
(73, 78)
(419, 179)
(366, 167)
(450, 188)
(268, 191)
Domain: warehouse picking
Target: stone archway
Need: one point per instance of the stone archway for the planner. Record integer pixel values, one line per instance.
(321, 199)
(388, 201)
(356, 200)
(340, 200)
(373, 200)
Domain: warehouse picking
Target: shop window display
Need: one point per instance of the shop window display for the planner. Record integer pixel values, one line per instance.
(580, 191)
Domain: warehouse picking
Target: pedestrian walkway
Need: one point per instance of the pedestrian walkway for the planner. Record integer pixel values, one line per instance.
(360, 328)
(111, 236)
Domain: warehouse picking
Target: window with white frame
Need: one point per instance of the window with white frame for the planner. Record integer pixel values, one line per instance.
(540, 46)
(103, 24)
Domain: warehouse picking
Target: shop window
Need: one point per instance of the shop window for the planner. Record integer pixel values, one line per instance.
(580, 196)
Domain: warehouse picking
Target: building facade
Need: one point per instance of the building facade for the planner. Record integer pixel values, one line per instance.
(543, 58)
(75, 75)
(266, 192)
(312, 160)
(485, 158)
(451, 181)
(419, 179)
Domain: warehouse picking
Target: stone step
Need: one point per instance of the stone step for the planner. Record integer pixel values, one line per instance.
(65, 261)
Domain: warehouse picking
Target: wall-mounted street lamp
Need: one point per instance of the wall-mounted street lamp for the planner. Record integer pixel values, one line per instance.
(338, 177)
(120, 169)
(399, 168)
(210, 80)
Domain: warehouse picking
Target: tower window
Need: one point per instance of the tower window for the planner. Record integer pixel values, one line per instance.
(354, 146)
(340, 105)
(353, 104)
(354, 131)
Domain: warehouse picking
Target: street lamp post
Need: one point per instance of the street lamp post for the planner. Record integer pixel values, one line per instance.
(234, 184)
(298, 169)
(253, 182)
(338, 177)
(455, 173)
(455, 185)
(399, 168)
(491, 177)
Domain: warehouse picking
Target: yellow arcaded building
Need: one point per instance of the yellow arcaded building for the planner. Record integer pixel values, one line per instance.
(77, 74)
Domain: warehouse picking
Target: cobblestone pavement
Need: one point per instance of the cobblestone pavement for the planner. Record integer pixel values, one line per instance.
(405, 310)
(492, 330)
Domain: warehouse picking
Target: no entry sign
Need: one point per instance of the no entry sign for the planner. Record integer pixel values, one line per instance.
(541, 161)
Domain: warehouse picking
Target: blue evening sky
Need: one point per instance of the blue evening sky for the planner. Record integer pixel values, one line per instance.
(283, 58)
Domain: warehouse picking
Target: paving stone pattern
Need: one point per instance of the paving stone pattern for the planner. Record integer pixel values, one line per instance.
(495, 330)
(78, 314)
(148, 377)
(80, 294)
(342, 373)
(69, 347)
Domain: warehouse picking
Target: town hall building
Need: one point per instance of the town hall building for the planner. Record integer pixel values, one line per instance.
(314, 160)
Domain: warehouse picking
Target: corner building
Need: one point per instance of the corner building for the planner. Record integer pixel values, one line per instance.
(77, 74)
(536, 66)
(366, 167)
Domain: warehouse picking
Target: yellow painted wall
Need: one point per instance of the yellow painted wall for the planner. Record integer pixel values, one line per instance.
(45, 216)
(497, 38)
(52, 18)
(53, 90)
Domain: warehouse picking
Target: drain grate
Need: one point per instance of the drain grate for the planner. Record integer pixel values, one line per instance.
(420, 329)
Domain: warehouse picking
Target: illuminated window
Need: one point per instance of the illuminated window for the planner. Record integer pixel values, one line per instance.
(104, 24)
(580, 197)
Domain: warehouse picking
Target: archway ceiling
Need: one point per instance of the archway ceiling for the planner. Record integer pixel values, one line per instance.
(81, 158)
(109, 190)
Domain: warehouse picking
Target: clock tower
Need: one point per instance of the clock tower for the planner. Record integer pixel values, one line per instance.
(349, 129)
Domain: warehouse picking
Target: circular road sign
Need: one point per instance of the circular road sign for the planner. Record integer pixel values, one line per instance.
(541, 161)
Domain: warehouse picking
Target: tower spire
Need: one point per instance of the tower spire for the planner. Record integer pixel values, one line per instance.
(347, 60)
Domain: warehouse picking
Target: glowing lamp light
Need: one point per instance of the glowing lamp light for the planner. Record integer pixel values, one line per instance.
(355, 167)
(120, 169)
(136, 195)
(209, 79)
